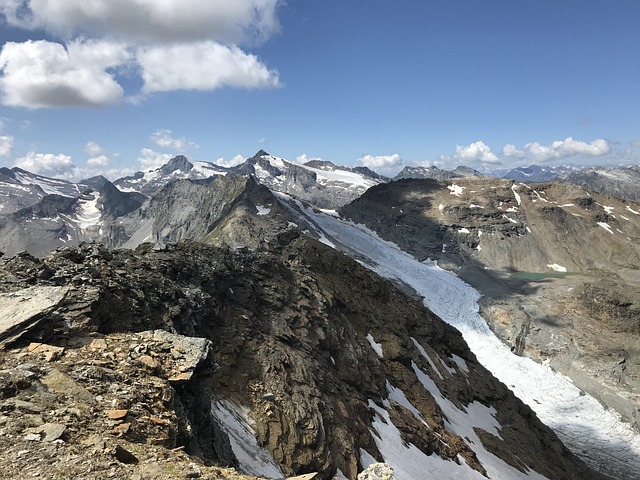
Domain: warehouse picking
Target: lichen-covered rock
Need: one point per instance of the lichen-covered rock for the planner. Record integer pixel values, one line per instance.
(377, 471)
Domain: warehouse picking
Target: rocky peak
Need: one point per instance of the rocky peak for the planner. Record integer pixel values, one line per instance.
(177, 163)
(94, 183)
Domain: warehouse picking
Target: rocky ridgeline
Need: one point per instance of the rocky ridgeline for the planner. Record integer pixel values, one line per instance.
(111, 361)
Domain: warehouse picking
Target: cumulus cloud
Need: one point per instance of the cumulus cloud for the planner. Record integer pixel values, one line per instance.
(202, 66)
(47, 74)
(380, 161)
(97, 155)
(150, 159)
(566, 148)
(48, 164)
(6, 145)
(99, 161)
(173, 45)
(165, 139)
(146, 21)
(237, 160)
(93, 149)
(510, 150)
(478, 151)
(304, 158)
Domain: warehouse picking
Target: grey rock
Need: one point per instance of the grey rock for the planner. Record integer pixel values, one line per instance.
(377, 471)
(26, 309)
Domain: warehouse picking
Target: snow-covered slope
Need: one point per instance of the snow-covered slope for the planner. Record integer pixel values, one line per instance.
(20, 189)
(585, 426)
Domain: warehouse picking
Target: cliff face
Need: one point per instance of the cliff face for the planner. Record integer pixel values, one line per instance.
(331, 362)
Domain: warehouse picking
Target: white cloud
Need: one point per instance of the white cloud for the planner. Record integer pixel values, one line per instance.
(380, 161)
(566, 148)
(46, 74)
(478, 151)
(48, 164)
(510, 150)
(99, 161)
(150, 21)
(304, 158)
(93, 149)
(172, 44)
(97, 155)
(150, 160)
(237, 160)
(202, 66)
(6, 145)
(164, 138)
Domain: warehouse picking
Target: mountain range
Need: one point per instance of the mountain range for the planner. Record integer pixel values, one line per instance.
(335, 339)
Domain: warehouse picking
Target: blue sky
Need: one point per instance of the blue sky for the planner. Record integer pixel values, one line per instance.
(115, 86)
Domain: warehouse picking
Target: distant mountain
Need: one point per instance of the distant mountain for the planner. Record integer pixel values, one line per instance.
(179, 167)
(20, 189)
(234, 210)
(620, 182)
(54, 219)
(322, 184)
(436, 173)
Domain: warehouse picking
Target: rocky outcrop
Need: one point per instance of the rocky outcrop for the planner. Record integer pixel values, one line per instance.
(230, 210)
(317, 348)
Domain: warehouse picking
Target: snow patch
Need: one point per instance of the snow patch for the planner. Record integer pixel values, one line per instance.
(632, 210)
(88, 213)
(462, 365)
(518, 199)
(427, 357)
(377, 347)
(463, 230)
(262, 210)
(252, 458)
(455, 189)
(557, 268)
(606, 226)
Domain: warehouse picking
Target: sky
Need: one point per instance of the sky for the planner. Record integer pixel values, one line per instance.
(115, 86)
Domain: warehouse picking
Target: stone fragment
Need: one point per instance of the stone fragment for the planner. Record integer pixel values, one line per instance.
(306, 476)
(149, 361)
(25, 309)
(52, 431)
(116, 414)
(50, 352)
(121, 429)
(125, 456)
(27, 406)
(62, 383)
